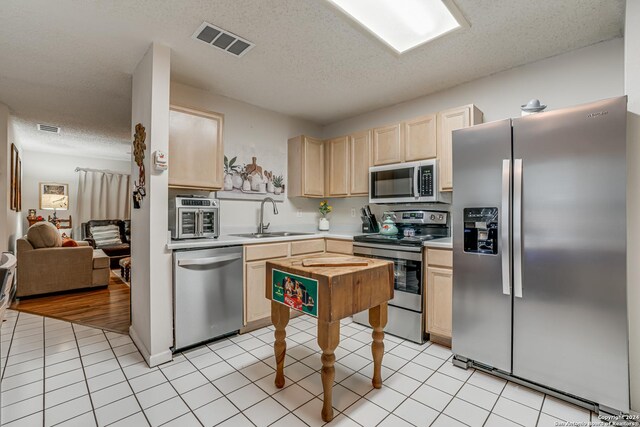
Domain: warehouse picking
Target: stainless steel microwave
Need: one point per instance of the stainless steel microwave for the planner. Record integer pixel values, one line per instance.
(193, 217)
(411, 182)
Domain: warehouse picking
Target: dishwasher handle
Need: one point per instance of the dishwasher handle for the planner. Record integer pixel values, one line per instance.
(208, 261)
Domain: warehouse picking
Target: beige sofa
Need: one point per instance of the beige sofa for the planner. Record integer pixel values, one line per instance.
(52, 268)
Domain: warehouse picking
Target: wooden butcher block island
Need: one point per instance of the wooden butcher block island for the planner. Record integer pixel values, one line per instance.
(329, 288)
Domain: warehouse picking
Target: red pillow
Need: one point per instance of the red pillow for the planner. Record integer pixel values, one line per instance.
(69, 243)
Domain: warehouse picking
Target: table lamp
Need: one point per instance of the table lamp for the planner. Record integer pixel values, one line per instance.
(55, 202)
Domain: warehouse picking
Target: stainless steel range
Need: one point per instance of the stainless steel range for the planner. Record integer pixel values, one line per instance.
(406, 310)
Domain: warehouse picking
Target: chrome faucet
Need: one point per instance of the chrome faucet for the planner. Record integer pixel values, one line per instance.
(262, 227)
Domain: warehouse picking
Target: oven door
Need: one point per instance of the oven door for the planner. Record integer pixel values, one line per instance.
(407, 272)
(188, 223)
(209, 223)
(394, 183)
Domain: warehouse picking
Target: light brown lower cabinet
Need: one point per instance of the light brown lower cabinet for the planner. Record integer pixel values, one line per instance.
(339, 246)
(257, 307)
(439, 301)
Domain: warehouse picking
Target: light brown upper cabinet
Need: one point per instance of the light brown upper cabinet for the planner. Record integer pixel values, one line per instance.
(305, 171)
(448, 121)
(337, 167)
(387, 145)
(420, 138)
(360, 159)
(196, 150)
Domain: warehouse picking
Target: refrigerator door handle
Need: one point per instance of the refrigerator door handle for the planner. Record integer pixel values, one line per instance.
(506, 221)
(517, 228)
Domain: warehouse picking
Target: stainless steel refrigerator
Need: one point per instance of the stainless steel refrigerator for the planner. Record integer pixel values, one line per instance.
(539, 251)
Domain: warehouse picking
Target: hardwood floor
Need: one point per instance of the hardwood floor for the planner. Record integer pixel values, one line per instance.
(106, 308)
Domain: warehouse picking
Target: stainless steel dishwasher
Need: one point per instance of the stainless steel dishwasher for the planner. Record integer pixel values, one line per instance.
(207, 294)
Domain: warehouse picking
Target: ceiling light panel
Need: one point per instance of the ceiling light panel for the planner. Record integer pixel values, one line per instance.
(222, 39)
(403, 24)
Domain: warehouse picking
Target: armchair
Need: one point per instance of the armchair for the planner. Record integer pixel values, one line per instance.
(114, 250)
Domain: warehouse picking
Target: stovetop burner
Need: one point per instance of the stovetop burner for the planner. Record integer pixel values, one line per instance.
(425, 225)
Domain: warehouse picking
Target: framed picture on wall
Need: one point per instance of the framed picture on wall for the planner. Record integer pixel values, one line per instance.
(13, 196)
(19, 185)
(54, 196)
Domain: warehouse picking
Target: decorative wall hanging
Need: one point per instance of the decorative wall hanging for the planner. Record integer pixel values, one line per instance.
(139, 148)
(54, 196)
(250, 181)
(15, 198)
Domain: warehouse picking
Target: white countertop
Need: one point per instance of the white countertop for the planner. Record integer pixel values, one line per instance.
(337, 233)
(228, 240)
(444, 243)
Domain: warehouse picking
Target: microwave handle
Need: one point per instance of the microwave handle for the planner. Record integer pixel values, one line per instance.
(199, 222)
(416, 182)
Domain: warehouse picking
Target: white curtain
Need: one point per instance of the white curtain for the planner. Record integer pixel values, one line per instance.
(102, 195)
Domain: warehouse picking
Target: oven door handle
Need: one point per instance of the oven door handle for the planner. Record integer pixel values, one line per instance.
(387, 254)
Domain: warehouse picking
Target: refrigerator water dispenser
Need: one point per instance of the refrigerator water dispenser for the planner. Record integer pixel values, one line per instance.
(481, 230)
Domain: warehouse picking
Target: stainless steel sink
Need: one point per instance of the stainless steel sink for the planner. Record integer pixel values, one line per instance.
(274, 234)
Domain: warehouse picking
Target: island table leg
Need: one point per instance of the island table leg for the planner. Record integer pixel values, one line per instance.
(328, 339)
(280, 318)
(377, 320)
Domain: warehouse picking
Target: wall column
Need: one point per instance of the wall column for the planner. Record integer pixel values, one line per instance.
(151, 290)
(5, 179)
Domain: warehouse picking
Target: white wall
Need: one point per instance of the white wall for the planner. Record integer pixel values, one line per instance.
(151, 290)
(583, 75)
(10, 224)
(250, 130)
(5, 172)
(632, 89)
(49, 167)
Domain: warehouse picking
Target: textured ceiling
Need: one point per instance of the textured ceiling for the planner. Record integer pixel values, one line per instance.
(69, 63)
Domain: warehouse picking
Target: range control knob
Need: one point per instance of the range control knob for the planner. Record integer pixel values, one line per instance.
(441, 217)
(433, 217)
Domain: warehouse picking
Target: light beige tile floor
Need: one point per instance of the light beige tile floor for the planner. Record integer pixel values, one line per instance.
(58, 373)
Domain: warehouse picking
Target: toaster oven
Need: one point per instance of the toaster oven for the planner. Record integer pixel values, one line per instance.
(192, 217)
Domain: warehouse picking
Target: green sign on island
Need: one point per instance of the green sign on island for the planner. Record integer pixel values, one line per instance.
(297, 292)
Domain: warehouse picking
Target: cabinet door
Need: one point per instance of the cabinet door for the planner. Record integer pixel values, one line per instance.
(360, 159)
(448, 121)
(195, 149)
(313, 170)
(387, 145)
(256, 307)
(302, 247)
(420, 138)
(337, 167)
(439, 300)
(339, 246)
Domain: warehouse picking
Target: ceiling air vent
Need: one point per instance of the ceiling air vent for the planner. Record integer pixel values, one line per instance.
(222, 39)
(48, 128)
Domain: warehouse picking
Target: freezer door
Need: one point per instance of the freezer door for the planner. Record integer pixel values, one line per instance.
(481, 289)
(570, 306)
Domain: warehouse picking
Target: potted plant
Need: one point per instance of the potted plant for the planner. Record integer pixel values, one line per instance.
(246, 184)
(230, 173)
(324, 209)
(277, 184)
